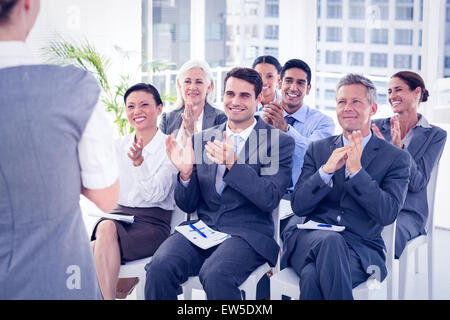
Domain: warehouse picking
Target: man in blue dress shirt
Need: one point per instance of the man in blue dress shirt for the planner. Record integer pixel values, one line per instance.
(294, 117)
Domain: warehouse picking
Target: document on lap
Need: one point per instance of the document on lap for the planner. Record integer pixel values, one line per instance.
(320, 226)
(201, 235)
(285, 209)
(113, 216)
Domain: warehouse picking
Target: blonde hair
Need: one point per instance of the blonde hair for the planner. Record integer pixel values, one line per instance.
(195, 63)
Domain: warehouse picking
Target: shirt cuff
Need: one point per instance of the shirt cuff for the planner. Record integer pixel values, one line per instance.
(326, 178)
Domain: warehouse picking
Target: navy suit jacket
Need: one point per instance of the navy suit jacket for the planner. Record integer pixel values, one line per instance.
(171, 122)
(425, 149)
(365, 203)
(244, 209)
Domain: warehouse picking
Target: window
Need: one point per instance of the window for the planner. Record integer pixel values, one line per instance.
(379, 9)
(329, 94)
(404, 9)
(214, 31)
(402, 61)
(356, 35)
(251, 31)
(404, 37)
(318, 34)
(252, 52)
(334, 34)
(272, 8)
(271, 32)
(251, 8)
(420, 37)
(382, 99)
(355, 58)
(447, 62)
(271, 51)
(318, 9)
(333, 57)
(357, 9)
(379, 36)
(334, 9)
(379, 60)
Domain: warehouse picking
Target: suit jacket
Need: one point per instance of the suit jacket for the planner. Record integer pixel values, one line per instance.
(244, 209)
(171, 122)
(363, 204)
(425, 149)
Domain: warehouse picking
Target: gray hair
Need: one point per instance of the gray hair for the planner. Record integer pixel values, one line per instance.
(194, 63)
(353, 78)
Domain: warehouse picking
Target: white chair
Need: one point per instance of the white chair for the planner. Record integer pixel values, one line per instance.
(136, 268)
(413, 246)
(286, 282)
(249, 286)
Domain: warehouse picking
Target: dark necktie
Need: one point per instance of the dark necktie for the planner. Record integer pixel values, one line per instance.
(290, 120)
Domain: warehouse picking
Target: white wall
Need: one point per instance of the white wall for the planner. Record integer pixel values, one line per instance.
(103, 23)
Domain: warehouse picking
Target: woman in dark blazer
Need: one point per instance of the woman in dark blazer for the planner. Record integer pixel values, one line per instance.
(195, 93)
(409, 130)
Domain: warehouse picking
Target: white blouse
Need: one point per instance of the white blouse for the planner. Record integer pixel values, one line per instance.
(152, 183)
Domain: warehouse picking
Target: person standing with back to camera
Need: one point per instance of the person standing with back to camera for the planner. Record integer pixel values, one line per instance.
(56, 145)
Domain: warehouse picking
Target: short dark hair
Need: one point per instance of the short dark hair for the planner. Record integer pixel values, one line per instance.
(146, 87)
(297, 63)
(5, 9)
(246, 74)
(267, 59)
(413, 80)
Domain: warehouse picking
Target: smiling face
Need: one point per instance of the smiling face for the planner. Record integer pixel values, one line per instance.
(142, 111)
(194, 86)
(353, 109)
(401, 97)
(240, 103)
(269, 75)
(294, 87)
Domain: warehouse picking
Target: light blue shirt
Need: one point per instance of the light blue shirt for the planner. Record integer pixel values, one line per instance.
(310, 125)
(327, 177)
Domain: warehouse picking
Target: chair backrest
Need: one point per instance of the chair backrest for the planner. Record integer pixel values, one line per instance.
(178, 216)
(388, 235)
(431, 194)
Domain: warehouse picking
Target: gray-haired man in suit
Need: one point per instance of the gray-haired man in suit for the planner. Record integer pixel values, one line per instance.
(355, 180)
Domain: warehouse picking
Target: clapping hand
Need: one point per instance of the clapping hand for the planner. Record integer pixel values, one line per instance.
(222, 152)
(135, 153)
(274, 115)
(182, 158)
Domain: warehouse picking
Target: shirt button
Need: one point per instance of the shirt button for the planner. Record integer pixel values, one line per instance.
(338, 219)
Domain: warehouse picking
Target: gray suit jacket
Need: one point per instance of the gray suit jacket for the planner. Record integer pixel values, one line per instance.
(244, 209)
(425, 149)
(171, 122)
(365, 203)
(44, 247)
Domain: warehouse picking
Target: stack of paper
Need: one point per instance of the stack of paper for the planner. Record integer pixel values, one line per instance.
(201, 235)
(320, 226)
(113, 216)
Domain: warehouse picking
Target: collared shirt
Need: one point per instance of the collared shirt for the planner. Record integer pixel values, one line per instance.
(95, 148)
(423, 122)
(310, 125)
(152, 183)
(327, 177)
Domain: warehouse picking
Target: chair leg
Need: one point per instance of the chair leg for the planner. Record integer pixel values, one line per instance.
(430, 270)
(140, 289)
(187, 293)
(403, 275)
